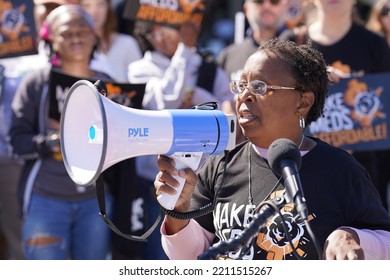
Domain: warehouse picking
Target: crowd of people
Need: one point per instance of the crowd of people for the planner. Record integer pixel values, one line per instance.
(275, 81)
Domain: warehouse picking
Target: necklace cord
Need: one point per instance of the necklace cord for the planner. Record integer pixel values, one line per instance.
(275, 208)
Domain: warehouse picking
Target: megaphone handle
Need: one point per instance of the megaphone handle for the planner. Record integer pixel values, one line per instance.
(182, 160)
(168, 201)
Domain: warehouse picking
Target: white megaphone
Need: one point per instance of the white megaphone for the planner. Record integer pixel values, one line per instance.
(97, 133)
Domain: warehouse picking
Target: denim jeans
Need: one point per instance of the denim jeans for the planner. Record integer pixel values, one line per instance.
(70, 229)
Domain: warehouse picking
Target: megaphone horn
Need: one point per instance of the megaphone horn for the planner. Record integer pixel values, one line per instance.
(96, 133)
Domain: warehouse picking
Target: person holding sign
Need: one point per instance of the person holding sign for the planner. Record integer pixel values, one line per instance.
(281, 90)
(15, 68)
(60, 219)
(267, 20)
(379, 22)
(176, 76)
(173, 69)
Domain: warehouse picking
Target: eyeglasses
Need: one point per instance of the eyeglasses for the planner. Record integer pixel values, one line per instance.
(385, 11)
(261, 2)
(81, 33)
(256, 87)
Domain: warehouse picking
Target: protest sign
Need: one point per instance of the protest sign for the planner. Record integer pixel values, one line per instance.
(356, 114)
(166, 12)
(130, 95)
(17, 32)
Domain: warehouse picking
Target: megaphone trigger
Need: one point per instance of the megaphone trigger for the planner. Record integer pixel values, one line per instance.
(182, 160)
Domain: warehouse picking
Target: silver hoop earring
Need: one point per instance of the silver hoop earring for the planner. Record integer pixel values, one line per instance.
(302, 123)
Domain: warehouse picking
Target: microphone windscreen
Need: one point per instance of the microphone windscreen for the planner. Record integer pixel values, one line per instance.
(280, 150)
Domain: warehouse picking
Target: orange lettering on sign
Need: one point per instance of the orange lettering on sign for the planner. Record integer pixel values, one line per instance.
(21, 45)
(355, 136)
(158, 15)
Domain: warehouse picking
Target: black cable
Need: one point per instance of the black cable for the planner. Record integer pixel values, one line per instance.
(190, 215)
(313, 239)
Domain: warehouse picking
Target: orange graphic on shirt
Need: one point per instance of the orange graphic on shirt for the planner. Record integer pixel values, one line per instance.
(274, 240)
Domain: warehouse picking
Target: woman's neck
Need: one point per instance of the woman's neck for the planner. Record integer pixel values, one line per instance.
(327, 30)
(76, 69)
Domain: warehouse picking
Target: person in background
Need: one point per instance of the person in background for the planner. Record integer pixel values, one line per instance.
(282, 89)
(115, 50)
(379, 22)
(266, 19)
(60, 219)
(379, 19)
(12, 71)
(176, 76)
(337, 28)
(41, 9)
(335, 32)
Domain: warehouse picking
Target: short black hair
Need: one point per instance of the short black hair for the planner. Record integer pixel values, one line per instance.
(308, 68)
(141, 31)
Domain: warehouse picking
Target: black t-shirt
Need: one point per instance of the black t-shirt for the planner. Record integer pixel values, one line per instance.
(360, 49)
(337, 189)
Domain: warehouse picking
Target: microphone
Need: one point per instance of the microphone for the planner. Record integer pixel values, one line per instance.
(285, 160)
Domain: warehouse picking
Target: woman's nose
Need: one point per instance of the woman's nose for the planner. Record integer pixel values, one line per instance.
(246, 96)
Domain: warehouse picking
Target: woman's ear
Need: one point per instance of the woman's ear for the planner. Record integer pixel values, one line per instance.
(306, 102)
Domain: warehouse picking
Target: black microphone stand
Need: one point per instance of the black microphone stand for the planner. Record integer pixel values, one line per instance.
(241, 240)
